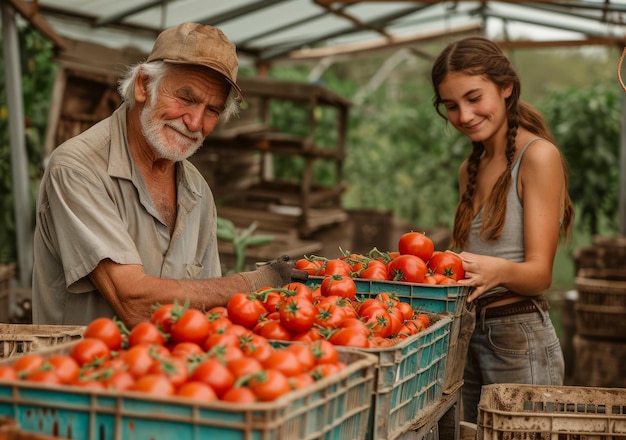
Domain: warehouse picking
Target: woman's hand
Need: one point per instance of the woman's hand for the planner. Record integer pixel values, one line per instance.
(481, 272)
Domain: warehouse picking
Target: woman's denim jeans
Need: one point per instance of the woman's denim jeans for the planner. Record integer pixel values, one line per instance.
(521, 348)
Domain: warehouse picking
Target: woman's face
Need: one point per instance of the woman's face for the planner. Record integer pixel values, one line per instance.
(474, 105)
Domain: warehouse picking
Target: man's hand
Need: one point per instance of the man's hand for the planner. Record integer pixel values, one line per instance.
(275, 273)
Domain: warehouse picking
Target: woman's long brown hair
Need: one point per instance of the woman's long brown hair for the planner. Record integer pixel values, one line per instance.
(481, 56)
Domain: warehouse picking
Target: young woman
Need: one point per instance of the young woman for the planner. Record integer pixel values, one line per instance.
(512, 210)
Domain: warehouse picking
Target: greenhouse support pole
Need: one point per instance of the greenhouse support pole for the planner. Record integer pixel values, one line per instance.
(19, 159)
(622, 171)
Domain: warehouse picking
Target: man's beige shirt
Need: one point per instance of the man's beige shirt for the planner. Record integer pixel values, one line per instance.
(94, 205)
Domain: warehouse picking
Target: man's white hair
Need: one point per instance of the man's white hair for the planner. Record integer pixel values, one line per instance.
(156, 71)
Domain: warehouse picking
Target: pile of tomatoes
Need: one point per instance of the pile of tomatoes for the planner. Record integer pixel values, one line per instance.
(415, 261)
(181, 352)
(331, 311)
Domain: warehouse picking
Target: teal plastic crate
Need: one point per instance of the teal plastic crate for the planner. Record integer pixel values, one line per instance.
(445, 298)
(450, 299)
(334, 408)
(409, 380)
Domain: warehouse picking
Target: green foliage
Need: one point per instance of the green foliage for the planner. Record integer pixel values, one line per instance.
(38, 72)
(241, 240)
(586, 125)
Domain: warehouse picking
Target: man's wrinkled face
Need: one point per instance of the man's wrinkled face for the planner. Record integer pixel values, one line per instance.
(184, 112)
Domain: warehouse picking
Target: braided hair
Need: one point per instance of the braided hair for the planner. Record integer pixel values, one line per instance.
(481, 56)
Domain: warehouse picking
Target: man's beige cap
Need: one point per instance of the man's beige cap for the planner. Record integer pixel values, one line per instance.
(203, 45)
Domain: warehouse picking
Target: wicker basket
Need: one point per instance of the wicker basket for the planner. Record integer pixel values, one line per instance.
(543, 412)
(601, 305)
(7, 272)
(17, 339)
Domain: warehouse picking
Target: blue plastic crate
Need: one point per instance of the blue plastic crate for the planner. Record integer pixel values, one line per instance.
(334, 408)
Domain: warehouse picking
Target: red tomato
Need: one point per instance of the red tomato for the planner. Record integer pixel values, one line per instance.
(145, 333)
(312, 267)
(416, 243)
(297, 314)
(447, 263)
(43, 376)
(175, 369)
(408, 268)
(217, 312)
(7, 373)
(107, 330)
(350, 337)
(89, 350)
(119, 380)
(269, 385)
(406, 309)
(244, 366)
(274, 330)
(191, 326)
(358, 325)
(157, 384)
(219, 325)
(28, 363)
(303, 353)
(312, 334)
(240, 394)
(324, 352)
(162, 316)
(374, 270)
(185, 350)
(299, 289)
(368, 304)
(245, 309)
(257, 346)
(197, 390)
(213, 372)
(379, 321)
(330, 315)
(138, 360)
(285, 361)
(339, 285)
(65, 367)
(337, 266)
(271, 298)
(301, 381)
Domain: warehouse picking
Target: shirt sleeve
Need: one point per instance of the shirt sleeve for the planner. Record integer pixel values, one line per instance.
(87, 224)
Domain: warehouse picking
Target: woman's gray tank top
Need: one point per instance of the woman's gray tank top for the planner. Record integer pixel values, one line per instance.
(510, 245)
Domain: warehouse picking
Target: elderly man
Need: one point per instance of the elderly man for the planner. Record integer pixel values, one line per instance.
(124, 220)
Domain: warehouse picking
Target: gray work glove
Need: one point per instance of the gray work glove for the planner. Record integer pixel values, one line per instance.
(275, 273)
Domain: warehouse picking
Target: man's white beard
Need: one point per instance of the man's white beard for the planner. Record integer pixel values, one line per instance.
(153, 129)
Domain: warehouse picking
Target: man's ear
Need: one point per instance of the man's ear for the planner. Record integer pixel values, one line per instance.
(141, 88)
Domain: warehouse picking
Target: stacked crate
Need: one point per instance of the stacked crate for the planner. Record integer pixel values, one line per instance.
(600, 310)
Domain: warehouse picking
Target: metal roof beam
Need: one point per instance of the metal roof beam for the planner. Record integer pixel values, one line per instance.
(518, 19)
(125, 13)
(215, 20)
